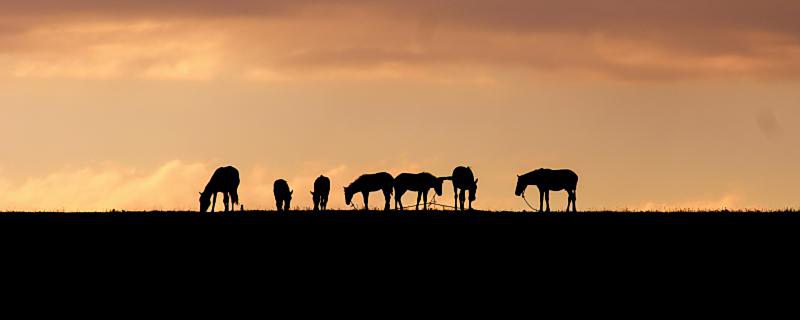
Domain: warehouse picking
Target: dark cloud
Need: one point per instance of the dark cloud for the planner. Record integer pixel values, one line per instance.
(643, 39)
(776, 15)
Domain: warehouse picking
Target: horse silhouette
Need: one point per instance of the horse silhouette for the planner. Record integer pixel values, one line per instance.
(422, 183)
(322, 189)
(283, 195)
(225, 180)
(370, 183)
(463, 180)
(550, 180)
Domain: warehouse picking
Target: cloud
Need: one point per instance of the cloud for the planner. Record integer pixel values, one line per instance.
(171, 186)
(105, 187)
(645, 40)
(768, 124)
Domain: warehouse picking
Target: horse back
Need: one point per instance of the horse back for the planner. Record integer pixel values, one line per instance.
(224, 179)
(463, 177)
(322, 185)
(374, 182)
(563, 178)
(281, 189)
(416, 181)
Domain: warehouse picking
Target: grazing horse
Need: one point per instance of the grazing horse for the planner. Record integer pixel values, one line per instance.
(463, 179)
(225, 180)
(550, 180)
(283, 195)
(422, 183)
(370, 183)
(322, 189)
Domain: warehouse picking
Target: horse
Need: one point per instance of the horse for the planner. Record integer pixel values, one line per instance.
(370, 183)
(422, 183)
(225, 180)
(322, 189)
(463, 180)
(550, 180)
(283, 195)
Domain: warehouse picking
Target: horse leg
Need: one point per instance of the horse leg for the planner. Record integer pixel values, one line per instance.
(574, 200)
(387, 194)
(455, 202)
(214, 202)
(419, 198)
(541, 201)
(366, 200)
(462, 197)
(425, 199)
(569, 200)
(398, 199)
(225, 200)
(547, 199)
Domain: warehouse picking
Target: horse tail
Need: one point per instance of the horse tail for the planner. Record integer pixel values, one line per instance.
(235, 197)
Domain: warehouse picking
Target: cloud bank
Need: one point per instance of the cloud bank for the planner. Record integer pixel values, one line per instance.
(281, 41)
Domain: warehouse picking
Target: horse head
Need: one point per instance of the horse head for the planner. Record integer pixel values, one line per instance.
(437, 187)
(520, 186)
(348, 195)
(473, 193)
(205, 202)
(288, 203)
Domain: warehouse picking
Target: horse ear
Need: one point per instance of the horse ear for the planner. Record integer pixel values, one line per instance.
(200, 193)
(476, 181)
(291, 192)
(519, 176)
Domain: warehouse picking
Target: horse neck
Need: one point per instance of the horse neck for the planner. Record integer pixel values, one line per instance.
(214, 185)
(356, 186)
(530, 180)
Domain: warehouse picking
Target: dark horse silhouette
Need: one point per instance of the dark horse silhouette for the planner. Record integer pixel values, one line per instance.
(422, 183)
(283, 195)
(463, 179)
(370, 183)
(550, 180)
(225, 180)
(322, 189)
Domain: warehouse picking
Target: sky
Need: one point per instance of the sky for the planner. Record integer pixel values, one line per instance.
(657, 105)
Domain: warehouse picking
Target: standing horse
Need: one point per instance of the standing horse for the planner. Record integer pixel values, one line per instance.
(370, 183)
(422, 183)
(283, 195)
(550, 180)
(463, 180)
(322, 189)
(225, 180)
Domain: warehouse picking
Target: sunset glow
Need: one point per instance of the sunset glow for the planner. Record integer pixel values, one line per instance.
(655, 104)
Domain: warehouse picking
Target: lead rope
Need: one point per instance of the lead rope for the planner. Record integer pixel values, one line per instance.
(526, 202)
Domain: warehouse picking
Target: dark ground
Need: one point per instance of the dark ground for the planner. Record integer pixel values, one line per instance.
(559, 255)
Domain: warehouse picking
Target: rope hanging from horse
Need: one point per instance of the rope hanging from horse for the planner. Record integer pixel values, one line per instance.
(431, 203)
(526, 202)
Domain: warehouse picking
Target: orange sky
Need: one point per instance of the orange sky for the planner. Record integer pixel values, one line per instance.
(132, 104)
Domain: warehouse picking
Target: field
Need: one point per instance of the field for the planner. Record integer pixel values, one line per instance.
(299, 218)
